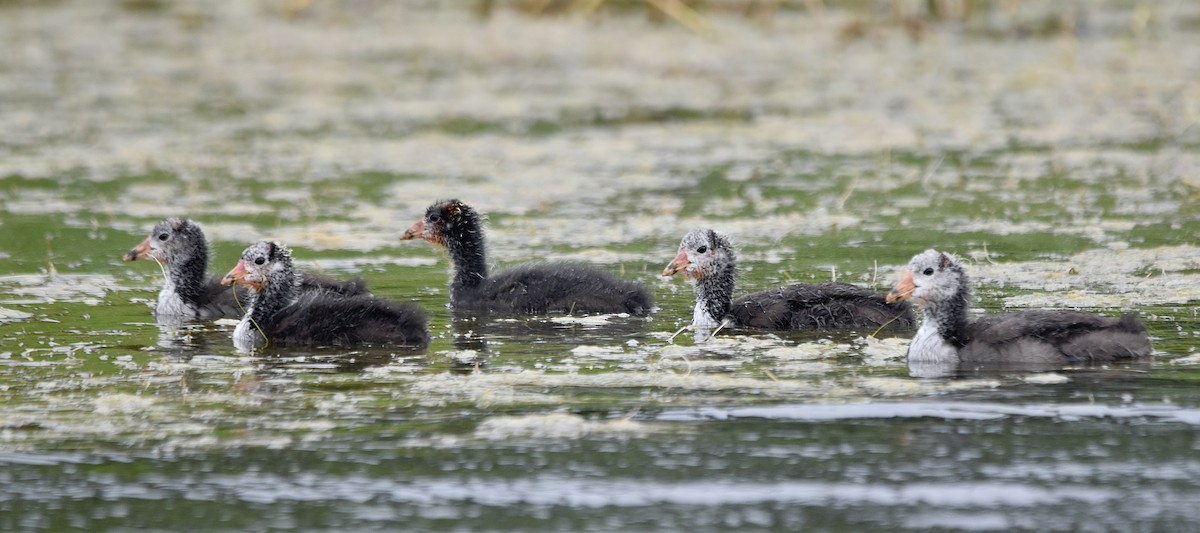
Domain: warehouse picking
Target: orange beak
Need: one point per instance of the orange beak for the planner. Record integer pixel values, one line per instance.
(903, 290)
(416, 231)
(141, 251)
(238, 274)
(679, 264)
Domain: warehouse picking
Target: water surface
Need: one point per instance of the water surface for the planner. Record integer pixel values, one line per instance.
(1061, 164)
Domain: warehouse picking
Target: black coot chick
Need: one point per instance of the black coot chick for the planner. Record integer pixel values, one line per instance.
(707, 258)
(179, 245)
(937, 283)
(277, 313)
(534, 289)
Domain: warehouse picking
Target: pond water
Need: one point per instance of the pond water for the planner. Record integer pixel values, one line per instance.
(1062, 165)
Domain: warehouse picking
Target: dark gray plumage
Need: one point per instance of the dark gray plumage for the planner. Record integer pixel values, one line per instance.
(937, 283)
(279, 314)
(180, 246)
(532, 289)
(708, 258)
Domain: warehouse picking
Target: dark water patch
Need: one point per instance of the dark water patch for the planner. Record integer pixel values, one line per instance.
(325, 127)
(912, 476)
(955, 411)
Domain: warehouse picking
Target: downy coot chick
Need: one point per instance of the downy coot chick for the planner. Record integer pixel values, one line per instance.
(538, 288)
(707, 258)
(179, 245)
(937, 283)
(277, 313)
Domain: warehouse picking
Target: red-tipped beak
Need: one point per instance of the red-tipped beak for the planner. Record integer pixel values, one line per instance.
(141, 251)
(238, 274)
(416, 231)
(903, 290)
(679, 264)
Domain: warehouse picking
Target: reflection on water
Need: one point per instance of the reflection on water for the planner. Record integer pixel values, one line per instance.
(934, 370)
(181, 339)
(896, 466)
(831, 147)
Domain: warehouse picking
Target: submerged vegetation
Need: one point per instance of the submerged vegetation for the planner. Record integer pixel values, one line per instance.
(1052, 146)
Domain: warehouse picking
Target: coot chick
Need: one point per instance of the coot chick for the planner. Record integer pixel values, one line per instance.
(279, 314)
(938, 284)
(538, 288)
(179, 245)
(707, 258)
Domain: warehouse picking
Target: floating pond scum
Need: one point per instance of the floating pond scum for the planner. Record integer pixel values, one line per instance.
(1053, 148)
